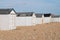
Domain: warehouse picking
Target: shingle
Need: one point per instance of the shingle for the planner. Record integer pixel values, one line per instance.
(24, 14)
(6, 11)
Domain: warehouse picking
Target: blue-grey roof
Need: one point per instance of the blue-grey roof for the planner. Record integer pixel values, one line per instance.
(38, 15)
(6, 11)
(24, 14)
(55, 16)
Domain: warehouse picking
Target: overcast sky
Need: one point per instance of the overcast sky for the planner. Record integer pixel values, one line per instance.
(42, 6)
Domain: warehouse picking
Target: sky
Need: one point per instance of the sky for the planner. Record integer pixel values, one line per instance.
(37, 6)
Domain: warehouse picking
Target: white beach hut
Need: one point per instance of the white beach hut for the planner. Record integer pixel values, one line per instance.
(38, 19)
(55, 18)
(47, 18)
(7, 19)
(24, 19)
(59, 18)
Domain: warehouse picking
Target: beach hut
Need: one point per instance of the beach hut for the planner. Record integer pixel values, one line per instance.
(47, 18)
(7, 19)
(59, 18)
(24, 19)
(38, 19)
(55, 18)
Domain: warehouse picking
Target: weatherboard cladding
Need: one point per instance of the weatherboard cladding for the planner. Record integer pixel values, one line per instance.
(38, 15)
(6, 11)
(24, 14)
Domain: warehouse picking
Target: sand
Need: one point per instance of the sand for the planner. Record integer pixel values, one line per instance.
(49, 31)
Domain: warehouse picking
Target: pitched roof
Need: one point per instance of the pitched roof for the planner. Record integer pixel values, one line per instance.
(38, 15)
(6, 11)
(24, 14)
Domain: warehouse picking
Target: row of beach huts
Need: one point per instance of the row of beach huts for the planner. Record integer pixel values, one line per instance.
(10, 19)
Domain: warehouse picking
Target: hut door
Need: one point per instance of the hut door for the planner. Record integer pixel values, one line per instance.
(12, 22)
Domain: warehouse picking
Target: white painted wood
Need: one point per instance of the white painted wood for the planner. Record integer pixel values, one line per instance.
(46, 20)
(54, 19)
(4, 22)
(12, 20)
(12, 24)
(34, 19)
(29, 21)
(38, 21)
(7, 22)
(59, 19)
(24, 21)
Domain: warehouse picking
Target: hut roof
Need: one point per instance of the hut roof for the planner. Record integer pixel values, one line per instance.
(55, 16)
(47, 15)
(24, 14)
(6, 11)
(38, 15)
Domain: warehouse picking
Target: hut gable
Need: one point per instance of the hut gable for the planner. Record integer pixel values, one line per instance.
(34, 16)
(24, 14)
(7, 11)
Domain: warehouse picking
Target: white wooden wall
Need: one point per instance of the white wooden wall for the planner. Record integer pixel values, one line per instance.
(7, 22)
(59, 19)
(12, 21)
(38, 21)
(4, 22)
(24, 21)
(46, 20)
(54, 19)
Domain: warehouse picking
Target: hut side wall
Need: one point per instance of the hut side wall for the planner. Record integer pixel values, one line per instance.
(59, 19)
(4, 22)
(54, 19)
(46, 20)
(38, 21)
(24, 21)
(7, 22)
